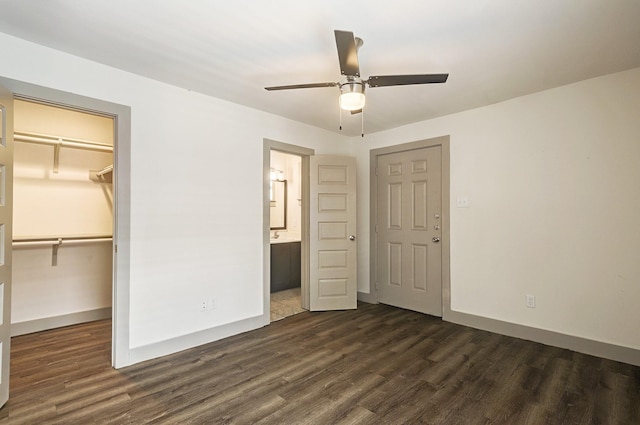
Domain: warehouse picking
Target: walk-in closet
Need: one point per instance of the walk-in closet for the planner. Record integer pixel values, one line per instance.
(62, 217)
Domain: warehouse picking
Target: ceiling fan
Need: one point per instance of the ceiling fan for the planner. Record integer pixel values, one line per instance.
(352, 86)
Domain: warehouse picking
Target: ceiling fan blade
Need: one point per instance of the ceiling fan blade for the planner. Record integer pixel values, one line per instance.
(403, 80)
(347, 53)
(301, 86)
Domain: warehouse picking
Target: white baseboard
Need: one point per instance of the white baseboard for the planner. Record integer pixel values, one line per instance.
(184, 342)
(47, 323)
(581, 345)
(555, 339)
(367, 298)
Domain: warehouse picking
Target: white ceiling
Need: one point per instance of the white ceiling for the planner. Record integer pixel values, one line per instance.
(493, 49)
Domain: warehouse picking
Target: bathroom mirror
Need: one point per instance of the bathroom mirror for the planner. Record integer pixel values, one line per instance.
(278, 201)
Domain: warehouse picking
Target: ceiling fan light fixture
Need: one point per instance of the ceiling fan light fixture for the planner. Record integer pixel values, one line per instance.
(352, 95)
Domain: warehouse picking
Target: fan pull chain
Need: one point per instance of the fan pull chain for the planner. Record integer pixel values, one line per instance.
(362, 122)
(340, 115)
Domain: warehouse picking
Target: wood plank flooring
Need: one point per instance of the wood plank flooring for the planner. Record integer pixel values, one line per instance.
(376, 365)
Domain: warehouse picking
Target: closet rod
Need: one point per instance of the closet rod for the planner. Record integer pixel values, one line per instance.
(43, 139)
(59, 241)
(56, 243)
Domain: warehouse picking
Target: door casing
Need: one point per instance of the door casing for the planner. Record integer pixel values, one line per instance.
(6, 231)
(442, 141)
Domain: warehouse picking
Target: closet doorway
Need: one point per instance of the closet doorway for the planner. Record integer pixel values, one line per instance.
(121, 114)
(63, 216)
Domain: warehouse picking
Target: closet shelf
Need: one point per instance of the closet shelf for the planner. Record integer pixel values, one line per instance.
(56, 243)
(59, 142)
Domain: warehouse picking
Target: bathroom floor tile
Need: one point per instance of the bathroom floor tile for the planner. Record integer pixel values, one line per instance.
(285, 303)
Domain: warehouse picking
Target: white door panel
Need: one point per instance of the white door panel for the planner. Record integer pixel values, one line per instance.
(333, 254)
(6, 217)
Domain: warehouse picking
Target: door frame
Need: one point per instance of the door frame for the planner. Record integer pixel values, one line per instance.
(304, 154)
(443, 142)
(121, 115)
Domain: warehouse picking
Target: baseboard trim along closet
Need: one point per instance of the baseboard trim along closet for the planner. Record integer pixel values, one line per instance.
(184, 342)
(47, 323)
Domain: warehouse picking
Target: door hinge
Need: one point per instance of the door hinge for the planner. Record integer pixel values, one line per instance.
(376, 171)
(375, 228)
(115, 248)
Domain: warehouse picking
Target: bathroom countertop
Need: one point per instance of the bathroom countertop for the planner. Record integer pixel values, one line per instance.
(284, 239)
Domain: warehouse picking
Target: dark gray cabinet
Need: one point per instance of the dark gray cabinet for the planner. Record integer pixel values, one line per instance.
(285, 266)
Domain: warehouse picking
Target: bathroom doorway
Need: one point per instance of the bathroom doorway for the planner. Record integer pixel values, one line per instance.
(285, 228)
(286, 221)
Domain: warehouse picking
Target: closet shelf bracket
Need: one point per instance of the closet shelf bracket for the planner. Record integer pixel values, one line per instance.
(54, 253)
(56, 156)
(102, 176)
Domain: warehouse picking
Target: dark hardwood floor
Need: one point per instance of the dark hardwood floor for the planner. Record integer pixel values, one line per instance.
(376, 365)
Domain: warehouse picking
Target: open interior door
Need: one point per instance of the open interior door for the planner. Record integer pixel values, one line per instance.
(332, 241)
(6, 216)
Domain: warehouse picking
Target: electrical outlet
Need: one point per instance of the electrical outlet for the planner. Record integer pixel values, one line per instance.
(208, 304)
(462, 202)
(531, 301)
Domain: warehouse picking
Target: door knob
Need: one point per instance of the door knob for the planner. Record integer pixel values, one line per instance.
(435, 239)
(352, 238)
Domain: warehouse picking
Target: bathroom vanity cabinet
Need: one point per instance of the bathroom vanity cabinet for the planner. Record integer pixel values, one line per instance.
(285, 266)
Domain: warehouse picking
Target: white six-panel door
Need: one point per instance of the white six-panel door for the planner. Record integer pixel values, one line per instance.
(332, 242)
(409, 228)
(6, 216)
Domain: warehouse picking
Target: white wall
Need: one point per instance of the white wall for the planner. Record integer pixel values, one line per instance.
(196, 190)
(553, 181)
(80, 283)
(47, 204)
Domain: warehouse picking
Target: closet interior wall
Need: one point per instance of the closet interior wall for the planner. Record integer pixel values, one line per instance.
(60, 284)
